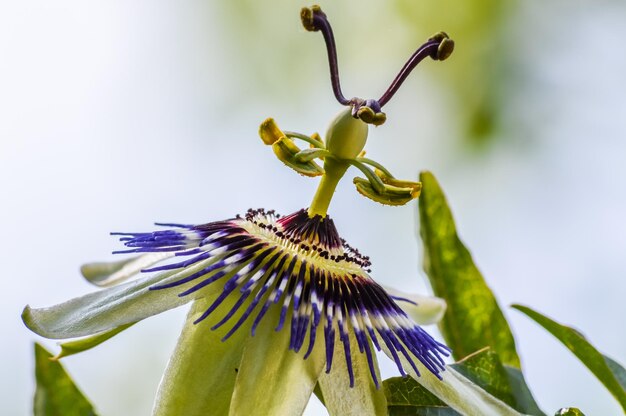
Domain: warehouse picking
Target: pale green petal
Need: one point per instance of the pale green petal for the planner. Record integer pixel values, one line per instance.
(423, 310)
(200, 376)
(84, 344)
(458, 392)
(362, 399)
(105, 274)
(272, 379)
(110, 308)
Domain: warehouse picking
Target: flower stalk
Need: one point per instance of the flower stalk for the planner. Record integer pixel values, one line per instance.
(334, 172)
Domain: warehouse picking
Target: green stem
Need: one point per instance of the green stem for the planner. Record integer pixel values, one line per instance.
(334, 171)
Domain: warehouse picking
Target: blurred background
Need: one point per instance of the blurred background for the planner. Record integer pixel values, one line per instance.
(116, 114)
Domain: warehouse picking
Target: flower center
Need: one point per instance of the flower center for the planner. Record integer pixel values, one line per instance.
(315, 240)
(300, 268)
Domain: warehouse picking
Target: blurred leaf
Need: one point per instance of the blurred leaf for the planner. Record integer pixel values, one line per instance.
(56, 393)
(618, 371)
(473, 319)
(481, 67)
(406, 396)
(609, 372)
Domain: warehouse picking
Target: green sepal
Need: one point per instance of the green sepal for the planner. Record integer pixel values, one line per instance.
(87, 343)
(390, 195)
(286, 150)
(611, 374)
(56, 392)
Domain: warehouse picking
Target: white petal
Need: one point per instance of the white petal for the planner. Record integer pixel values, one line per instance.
(104, 274)
(200, 375)
(363, 399)
(109, 308)
(272, 379)
(423, 310)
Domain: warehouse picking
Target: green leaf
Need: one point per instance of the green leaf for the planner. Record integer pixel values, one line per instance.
(473, 319)
(609, 372)
(504, 382)
(56, 393)
(458, 391)
(405, 397)
(523, 397)
(485, 369)
(482, 368)
(618, 371)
